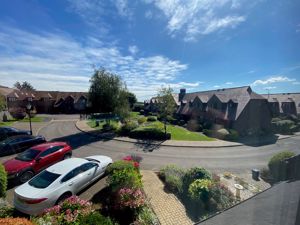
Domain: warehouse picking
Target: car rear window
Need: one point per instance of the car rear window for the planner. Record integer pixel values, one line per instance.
(44, 179)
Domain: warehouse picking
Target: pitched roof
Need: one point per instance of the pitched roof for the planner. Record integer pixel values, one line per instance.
(284, 97)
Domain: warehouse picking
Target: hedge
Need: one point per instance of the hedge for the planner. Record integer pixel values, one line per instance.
(3, 181)
(277, 166)
(152, 118)
(127, 127)
(149, 133)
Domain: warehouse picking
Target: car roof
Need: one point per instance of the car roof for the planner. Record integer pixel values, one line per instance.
(66, 166)
(45, 146)
(9, 128)
(20, 136)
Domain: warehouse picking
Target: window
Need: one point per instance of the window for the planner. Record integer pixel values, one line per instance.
(88, 166)
(50, 151)
(28, 155)
(11, 99)
(71, 174)
(44, 179)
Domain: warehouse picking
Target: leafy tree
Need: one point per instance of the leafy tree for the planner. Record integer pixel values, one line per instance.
(131, 99)
(24, 86)
(166, 104)
(2, 103)
(107, 93)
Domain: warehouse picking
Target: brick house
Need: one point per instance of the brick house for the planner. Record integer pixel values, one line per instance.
(45, 101)
(238, 108)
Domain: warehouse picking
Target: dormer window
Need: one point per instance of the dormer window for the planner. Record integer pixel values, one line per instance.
(11, 99)
(29, 99)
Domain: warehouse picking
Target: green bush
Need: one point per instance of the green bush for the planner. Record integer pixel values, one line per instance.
(277, 166)
(149, 133)
(172, 176)
(232, 136)
(174, 184)
(129, 178)
(120, 165)
(199, 189)
(142, 120)
(152, 118)
(145, 216)
(95, 218)
(6, 211)
(221, 195)
(283, 126)
(113, 126)
(171, 170)
(171, 120)
(3, 181)
(127, 127)
(208, 132)
(142, 112)
(181, 122)
(193, 174)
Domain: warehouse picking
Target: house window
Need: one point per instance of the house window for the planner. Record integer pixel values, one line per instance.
(29, 99)
(11, 99)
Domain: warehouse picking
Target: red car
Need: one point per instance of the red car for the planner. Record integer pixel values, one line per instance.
(35, 159)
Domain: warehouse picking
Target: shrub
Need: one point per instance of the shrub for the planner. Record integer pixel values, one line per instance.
(113, 126)
(149, 133)
(142, 112)
(199, 189)
(171, 120)
(129, 178)
(69, 211)
(174, 184)
(3, 181)
(130, 159)
(277, 165)
(221, 195)
(181, 122)
(193, 174)
(221, 133)
(17, 113)
(142, 119)
(232, 136)
(171, 170)
(127, 127)
(208, 132)
(6, 211)
(120, 165)
(15, 221)
(95, 218)
(227, 175)
(283, 126)
(130, 198)
(193, 125)
(152, 118)
(145, 216)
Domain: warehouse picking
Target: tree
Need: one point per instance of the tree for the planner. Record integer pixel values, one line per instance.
(24, 86)
(166, 104)
(107, 93)
(131, 99)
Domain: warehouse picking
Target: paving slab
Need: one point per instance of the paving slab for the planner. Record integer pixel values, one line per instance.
(166, 206)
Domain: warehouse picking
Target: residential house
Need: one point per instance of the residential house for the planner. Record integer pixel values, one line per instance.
(238, 108)
(45, 101)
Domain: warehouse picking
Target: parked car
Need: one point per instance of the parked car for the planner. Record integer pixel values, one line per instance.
(58, 182)
(19, 143)
(6, 132)
(30, 162)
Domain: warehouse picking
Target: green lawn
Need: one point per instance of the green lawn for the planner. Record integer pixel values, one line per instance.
(33, 119)
(179, 133)
(8, 123)
(134, 115)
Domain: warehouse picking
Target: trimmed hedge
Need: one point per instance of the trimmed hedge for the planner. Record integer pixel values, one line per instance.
(283, 126)
(193, 174)
(3, 181)
(127, 127)
(277, 166)
(152, 118)
(149, 133)
(142, 120)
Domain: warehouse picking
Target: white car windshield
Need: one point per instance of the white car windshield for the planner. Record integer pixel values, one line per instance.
(44, 179)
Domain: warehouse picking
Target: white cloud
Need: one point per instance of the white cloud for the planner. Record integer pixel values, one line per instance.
(271, 80)
(269, 88)
(123, 8)
(194, 18)
(229, 83)
(251, 71)
(55, 61)
(296, 82)
(133, 49)
(148, 14)
(217, 86)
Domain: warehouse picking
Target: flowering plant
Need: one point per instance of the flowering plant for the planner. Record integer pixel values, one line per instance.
(67, 212)
(131, 198)
(129, 158)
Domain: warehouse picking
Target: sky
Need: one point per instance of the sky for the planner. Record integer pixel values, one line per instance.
(193, 44)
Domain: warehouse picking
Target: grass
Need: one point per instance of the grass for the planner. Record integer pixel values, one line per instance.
(134, 115)
(92, 124)
(34, 120)
(178, 133)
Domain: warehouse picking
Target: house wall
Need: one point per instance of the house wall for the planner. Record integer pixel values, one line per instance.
(255, 117)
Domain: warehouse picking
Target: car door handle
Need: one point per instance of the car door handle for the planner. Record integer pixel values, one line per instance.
(71, 183)
(89, 173)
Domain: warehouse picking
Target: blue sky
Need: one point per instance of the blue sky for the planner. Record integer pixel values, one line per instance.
(195, 44)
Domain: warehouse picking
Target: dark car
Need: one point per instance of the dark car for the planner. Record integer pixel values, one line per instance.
(19, 143)
(35, 159)
(6, 132)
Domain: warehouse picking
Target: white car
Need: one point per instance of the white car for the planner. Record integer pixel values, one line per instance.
(59, 182)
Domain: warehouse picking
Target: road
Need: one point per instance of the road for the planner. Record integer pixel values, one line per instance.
(234, 159)
(238, 160)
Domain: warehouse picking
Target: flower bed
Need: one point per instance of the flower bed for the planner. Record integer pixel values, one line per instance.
(200, 191)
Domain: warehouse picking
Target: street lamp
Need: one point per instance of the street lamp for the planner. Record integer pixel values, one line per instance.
(29, 106)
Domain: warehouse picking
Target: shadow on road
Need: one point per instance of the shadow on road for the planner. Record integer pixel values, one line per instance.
(257, 141)
(148, 145)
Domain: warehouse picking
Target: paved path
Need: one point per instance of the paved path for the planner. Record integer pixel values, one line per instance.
(166, 206)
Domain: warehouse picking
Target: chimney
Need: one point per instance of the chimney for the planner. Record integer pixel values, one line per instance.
(181, 94)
